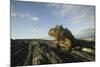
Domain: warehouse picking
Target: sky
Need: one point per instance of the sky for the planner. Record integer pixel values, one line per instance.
(34, 19)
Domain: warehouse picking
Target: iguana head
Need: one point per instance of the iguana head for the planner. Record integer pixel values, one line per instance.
(55, 31)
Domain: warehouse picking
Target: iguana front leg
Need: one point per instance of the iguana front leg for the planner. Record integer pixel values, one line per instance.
(67, 43)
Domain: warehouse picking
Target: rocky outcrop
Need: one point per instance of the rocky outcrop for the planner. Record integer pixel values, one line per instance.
(36, 52)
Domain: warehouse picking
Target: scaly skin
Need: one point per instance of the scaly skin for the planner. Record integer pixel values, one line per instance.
(60, 39)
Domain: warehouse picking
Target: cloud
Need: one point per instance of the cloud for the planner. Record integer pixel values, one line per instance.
(60, 9)
(35, 18)
(82, 18)
(36, 30)
(53, 5)
(25, 16)
(64, 9)
(74, 13)
(86, 33)
(20, 15)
